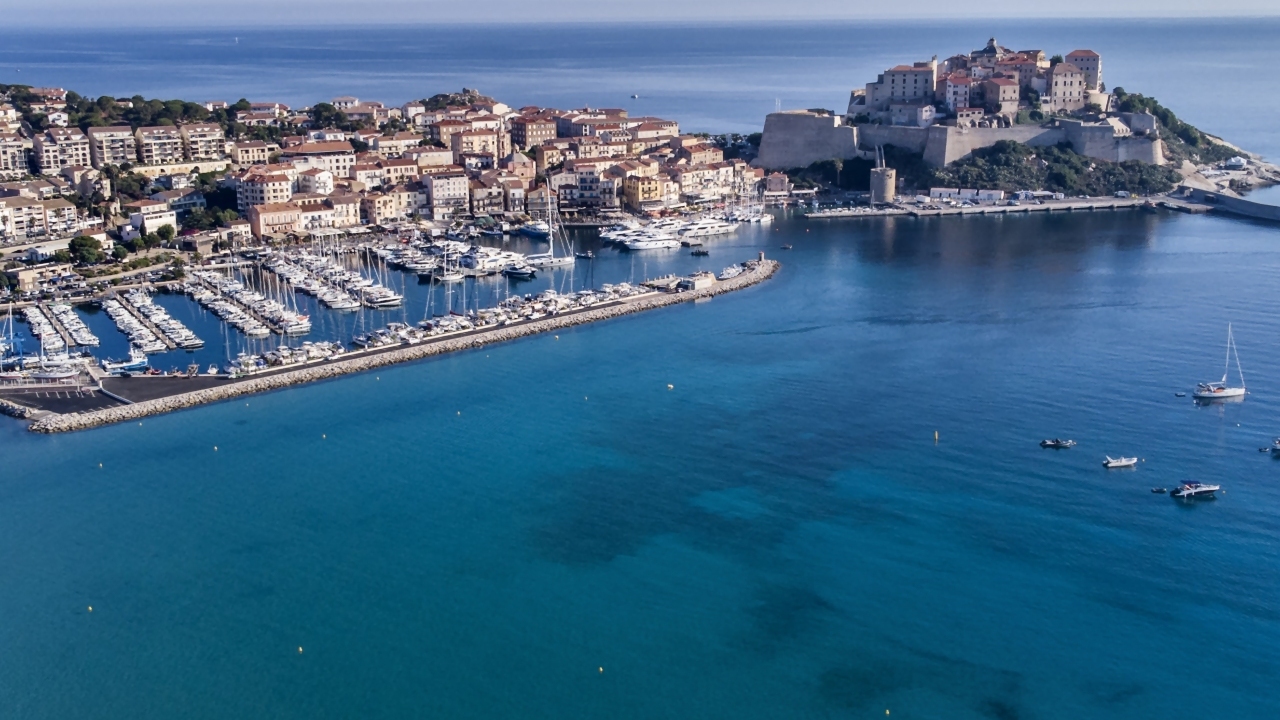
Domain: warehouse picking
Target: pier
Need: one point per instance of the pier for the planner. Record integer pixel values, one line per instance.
(1078, 205)
(57, 325)
(245, 308)
(146, 322)
(128, 399)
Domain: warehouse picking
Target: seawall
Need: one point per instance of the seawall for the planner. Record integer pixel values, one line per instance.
(1234, 205)
(55, 423)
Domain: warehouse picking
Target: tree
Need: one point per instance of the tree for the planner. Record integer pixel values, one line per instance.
(1055, 60)
(62, 256)
(839, 163)
(165, 232)
(86, 250)
(119, 252)
(324, 115)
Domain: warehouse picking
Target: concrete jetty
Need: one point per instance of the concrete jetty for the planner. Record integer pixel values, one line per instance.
(124, 303)
(212, 390)
(57, 325)
(244, 308)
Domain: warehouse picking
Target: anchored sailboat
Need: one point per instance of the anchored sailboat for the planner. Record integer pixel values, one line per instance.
(1220, 389)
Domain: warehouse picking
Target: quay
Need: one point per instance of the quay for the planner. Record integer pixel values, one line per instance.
(57, 325)
(1182, 204)
(245, 308)
(160, 334)
(127, 399)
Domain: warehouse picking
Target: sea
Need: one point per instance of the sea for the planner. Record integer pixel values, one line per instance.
(820, 497)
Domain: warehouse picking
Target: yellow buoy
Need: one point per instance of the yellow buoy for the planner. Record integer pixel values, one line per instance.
(601, 669)
(90, 608)
(299, 649)
(935, 436)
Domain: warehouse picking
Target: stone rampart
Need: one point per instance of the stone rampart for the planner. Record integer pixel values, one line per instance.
(798, 138)
(949, 144)
(54, 423)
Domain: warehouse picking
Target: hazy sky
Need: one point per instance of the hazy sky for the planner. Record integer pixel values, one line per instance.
(246, 13)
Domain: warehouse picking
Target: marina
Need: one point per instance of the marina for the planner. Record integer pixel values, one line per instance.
(141, 396)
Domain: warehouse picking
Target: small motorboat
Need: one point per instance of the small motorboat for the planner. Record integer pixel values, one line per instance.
(700, 252)
(1159, 491)
(1179, 394)
(1195, 490)
(786, 247)
(588, 255)
(1057, 444)
(1120, 462)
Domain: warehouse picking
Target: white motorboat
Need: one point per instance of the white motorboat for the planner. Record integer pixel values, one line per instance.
(651, 241)
(708, 227)
(1221, 390)
(1120, 462)
(55, 373)
(1193, 490)
(519, 272)
(535, 229)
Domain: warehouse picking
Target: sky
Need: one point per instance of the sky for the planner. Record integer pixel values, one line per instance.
(249, 13)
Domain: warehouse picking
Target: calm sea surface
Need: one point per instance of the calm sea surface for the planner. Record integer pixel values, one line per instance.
(544, 529)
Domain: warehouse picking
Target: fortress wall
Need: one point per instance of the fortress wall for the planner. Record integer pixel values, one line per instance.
(948, 144)
(905, 137)
(798, 139)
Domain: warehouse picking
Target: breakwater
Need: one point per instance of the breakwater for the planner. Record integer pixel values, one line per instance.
(12, 409)
(758, 271)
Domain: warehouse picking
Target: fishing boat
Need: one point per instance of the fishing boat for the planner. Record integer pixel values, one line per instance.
(1057, 444)
(137, 361)
(1220, 390)
(1195, 490)
(1120, 462)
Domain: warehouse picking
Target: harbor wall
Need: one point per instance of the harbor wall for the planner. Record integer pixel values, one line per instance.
(55, 423)
(1234, 205)
(12, 409)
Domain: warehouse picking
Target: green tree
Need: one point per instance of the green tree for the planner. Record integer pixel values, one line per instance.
(165, 232)
(1055, 60)
(86, 250)
(119, 252)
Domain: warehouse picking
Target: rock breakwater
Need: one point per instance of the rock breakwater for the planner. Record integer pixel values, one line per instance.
(757, 271)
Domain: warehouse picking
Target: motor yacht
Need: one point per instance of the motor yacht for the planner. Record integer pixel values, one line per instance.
(1057, 444)
(1194, 490)
(1120, 462)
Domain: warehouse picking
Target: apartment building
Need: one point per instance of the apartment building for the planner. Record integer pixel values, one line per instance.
(112, 146)
(159, 145)
(263, 189)
(336, 157)
(253, 152)
(148, 216)
(274, 219)
(396, 145)
(448, 194)
(917, 81)
(1066, 87)
(474, 142)
(1090, 63)
(57, 148)
(13, 155)
(204, 141)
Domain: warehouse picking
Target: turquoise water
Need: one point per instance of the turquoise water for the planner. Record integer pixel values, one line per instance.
(778, 535)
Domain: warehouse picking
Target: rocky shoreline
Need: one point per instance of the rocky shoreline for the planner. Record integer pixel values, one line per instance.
(758, 272)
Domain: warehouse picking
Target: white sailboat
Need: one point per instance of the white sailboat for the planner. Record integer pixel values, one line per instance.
(550, 259)
(1220, 390)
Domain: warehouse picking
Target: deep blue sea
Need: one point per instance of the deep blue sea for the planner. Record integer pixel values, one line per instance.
(730, 509)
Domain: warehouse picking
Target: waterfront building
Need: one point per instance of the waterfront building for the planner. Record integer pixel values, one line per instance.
(274, 219)
(448, 193)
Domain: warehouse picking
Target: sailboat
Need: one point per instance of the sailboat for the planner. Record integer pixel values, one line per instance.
(550, 259)
(1219, 390)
